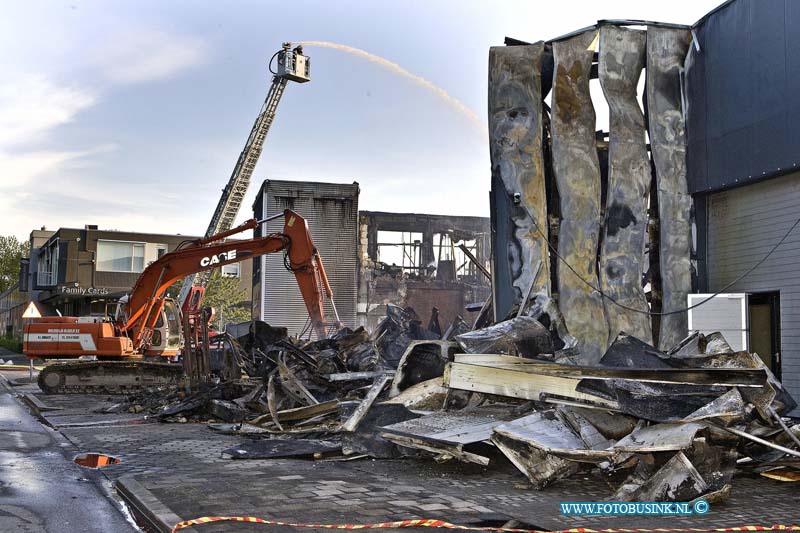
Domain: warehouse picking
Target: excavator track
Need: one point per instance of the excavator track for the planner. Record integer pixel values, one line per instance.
(107, 377)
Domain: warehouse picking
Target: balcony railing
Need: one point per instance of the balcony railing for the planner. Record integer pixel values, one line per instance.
(45, 279)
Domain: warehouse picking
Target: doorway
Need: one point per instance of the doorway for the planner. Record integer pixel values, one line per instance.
(764, 310)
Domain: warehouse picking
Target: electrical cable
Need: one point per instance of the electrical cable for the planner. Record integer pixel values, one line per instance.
(652, 313)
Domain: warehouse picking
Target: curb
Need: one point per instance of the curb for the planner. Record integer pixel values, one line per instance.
(4, 383)
(38, 405)
(144, 504)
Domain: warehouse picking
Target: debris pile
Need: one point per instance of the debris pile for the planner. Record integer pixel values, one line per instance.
(672, 426)
(680, 420)
(289, 382)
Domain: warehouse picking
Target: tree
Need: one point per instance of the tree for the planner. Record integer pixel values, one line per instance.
(224, 295)
(11, 251)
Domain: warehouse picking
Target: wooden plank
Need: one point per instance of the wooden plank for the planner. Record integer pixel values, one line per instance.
(515, 384)
(728, 377)
(577, 173)
(352, 423)
(300, 413)
(621, 60)
(666, 50)
(515, 147)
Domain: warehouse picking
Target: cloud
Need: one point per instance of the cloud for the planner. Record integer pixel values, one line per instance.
(32, 104)
(149, 55)
(41, 180)
(19, 169)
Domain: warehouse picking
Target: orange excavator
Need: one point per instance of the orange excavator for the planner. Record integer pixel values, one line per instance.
(133, 349)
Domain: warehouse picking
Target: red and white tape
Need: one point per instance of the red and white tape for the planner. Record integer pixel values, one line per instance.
(447, 525)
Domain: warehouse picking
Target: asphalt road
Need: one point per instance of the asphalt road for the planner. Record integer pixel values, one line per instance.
(41, 489)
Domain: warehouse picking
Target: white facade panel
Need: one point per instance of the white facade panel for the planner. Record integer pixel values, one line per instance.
(331, 210)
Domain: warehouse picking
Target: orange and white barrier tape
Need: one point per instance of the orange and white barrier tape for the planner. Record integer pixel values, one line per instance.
(447, 525)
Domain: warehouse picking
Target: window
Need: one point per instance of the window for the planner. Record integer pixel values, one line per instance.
(400, 248)
(231, 271)
(47, 274)
(120, 256)
(161, 249)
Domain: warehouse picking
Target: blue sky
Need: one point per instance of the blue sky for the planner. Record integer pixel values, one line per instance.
(131, 114)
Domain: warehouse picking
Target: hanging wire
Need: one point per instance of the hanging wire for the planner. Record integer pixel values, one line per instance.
(653, 313)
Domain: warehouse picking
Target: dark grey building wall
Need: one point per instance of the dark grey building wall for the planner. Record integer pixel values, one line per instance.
(331, 210)
(743, 225)
(741, 89)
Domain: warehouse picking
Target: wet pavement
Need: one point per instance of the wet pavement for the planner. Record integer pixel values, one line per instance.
(41, 489)
(178, 470)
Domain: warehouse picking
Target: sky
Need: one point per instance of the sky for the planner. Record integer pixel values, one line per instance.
(131, 114)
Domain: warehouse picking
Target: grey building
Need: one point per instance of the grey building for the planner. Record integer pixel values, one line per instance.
(741, 85)
(331, 210)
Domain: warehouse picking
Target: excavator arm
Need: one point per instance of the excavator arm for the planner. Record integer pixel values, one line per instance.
(147, 297)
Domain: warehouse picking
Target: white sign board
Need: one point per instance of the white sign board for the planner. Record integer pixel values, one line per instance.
(726, 313)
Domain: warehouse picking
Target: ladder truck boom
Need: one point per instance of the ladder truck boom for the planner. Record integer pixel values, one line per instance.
(292, 65)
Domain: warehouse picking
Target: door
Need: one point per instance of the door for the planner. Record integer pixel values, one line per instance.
(765, 328)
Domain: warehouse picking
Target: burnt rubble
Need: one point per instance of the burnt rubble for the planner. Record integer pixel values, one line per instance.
(667, 426)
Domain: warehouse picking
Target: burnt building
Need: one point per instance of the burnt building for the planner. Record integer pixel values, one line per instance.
(684, 215)
(422, 261)
(371, 258)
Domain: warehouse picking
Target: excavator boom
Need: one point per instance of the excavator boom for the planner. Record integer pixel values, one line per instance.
(129, 338)
(147, 298)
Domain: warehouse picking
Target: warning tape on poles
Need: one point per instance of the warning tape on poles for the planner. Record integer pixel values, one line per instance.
(447, 525)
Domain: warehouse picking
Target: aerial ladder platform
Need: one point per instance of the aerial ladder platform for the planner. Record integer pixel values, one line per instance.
(292, 65)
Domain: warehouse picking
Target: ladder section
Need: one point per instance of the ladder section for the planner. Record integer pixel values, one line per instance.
(234, 192)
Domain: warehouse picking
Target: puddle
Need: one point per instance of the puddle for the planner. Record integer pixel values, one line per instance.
(96, 460)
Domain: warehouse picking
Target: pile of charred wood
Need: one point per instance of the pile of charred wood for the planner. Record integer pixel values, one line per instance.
(679, 423)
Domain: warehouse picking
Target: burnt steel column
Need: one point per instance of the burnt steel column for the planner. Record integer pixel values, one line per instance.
(518, 189)
(621, 60)
(577, 173)
(666, 50)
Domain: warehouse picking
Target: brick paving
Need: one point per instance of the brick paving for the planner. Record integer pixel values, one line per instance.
(181, 464)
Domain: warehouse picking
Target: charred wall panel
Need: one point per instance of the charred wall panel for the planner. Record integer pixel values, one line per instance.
(577, 174)
(621, 60)
(666, 50)
(518, 188)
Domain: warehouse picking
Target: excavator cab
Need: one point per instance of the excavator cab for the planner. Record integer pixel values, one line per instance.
(166, 339)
